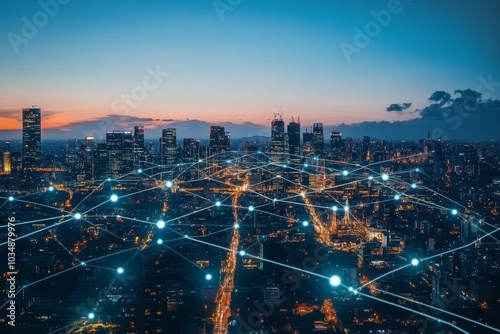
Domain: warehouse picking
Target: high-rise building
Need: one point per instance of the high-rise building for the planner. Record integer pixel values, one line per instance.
(139, 149)
(190, 150)
(219, 142)
(168, 147)
(119, 146)
(278, 140)
(101, 169)
(307, 144)
(365, 157)
(7, 162)
(32, 133)
(32, 146)
(293, 130)
(335, 140)
(318, 139)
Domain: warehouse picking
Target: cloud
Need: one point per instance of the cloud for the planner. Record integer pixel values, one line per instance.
(398, 107)
(440, 96)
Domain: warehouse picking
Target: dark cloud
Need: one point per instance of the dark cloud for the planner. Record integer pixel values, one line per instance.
(440, 96)
(398, 107)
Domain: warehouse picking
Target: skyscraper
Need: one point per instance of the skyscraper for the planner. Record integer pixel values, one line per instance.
(293, 130)
(168, 147)
(318, 139)
(139, 150)
(119, 146)
(32, 133)
(278, 140)
(335, 140)
(219, 141)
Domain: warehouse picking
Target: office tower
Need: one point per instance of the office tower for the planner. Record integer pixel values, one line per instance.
(278, 140)
(168, 147)
(139, 149)
(293, 132)
(307, 144)
(119, 146)
(101, 169)
(88, 156)
(190, 150)
(335, 140)
(219, 142)
(32, 142)
(32, 146)
(7, 162)
(365, 155)
(318, 139)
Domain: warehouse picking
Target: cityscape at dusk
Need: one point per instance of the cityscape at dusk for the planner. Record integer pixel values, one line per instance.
(249, 167)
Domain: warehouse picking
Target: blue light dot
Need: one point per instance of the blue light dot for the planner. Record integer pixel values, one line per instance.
(199, 160)
(305, 223)
(334, 208)
(51, 188)
(114, 198)
(306, 165)
(351, 289)
(160, 224)
(385, 177)
(159, 242)
(120, 270)
(228, 161)
(415, 262)
(335, 281)
(370, 177)
(208, 277)
(108, 179)
(77, 216)
(169, 184)
(139, 171)
(83, 264)
(346, 208)
(242, 253)
(275, 199)
(417, 170)
(397, 197)
(345, 173)
(414, 185)
(11, 198)
(454, 212)
(251, 208)
(236, 226)
(218, 203)
(91, 315)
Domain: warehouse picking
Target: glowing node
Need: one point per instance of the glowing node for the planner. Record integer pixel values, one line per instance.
(370, 177)
(11, 198)
(454, 212)
(305, 223)
(218, 203)
(415, 262)
(306, 165)
(77, 216)
(397, 197)
(251, 208)
(242, 252)
(228, 161)
(303, 194)
(120, 270)
(139, 171)
(414, 185)
(259, 152)
(345, 173)
(351, 289)
(334, 208)
(160, 224)
(51, 188)
(417, 170)
(284, 166)
(114, 198)
(108, 179)
(278, 176)
(208, 277)
(355, 292)
(169, 184)
(335, 281)
(346, 208)
(236, 226)
(385, 177)
(275, 199)
(199, 160)
(186, 236)
(91, 315)
(159, 242)
(83, 264)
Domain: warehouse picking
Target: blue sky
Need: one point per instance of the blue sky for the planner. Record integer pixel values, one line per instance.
(263, 56)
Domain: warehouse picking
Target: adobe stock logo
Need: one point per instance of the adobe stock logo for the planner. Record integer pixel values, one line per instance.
(372, 29)
(30, 28)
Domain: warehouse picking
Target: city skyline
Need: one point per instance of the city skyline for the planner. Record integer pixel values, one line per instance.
(323, 62)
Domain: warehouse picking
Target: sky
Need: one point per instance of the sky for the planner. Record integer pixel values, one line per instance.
(240, 60)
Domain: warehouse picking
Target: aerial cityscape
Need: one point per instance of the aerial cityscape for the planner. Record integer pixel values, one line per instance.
(237, 167)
